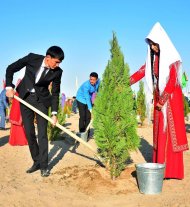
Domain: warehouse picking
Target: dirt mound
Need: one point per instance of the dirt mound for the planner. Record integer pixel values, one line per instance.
(94, 180)
(88, 179)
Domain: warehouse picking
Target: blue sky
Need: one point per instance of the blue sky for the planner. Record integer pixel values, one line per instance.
(83, 28)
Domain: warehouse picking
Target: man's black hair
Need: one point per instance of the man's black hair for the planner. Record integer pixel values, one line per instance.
(94, 74)
(55, 52)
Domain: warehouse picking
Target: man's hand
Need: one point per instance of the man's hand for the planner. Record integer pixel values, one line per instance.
(10, 93)
(54, 118)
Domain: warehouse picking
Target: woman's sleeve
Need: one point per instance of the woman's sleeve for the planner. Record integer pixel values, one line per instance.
(170, 86)
(137, 75)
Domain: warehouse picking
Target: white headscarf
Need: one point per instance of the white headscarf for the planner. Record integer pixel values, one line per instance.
(168, 56)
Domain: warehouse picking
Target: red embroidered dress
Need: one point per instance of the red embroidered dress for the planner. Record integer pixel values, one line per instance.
(162, 83)
(168, 144)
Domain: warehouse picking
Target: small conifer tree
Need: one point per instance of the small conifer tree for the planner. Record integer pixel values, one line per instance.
(53, 131)
(114, 118)
(141, 106)
(186, 106)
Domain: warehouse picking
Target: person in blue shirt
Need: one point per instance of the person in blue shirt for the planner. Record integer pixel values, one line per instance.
(84, 102)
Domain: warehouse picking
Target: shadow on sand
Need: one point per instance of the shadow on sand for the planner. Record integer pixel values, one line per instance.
(57, 152)
(4, 141)
(146, 150)
(67, 124)
(61, 147)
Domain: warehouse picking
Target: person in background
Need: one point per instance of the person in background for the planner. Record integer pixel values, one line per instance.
(63, 99)
(17, 127)
(162, 72)
(17, 133)
(84, 102)
(3, 106)
(67, 108)
(74, 105)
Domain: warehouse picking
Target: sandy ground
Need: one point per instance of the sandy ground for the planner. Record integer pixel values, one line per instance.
(77, 180)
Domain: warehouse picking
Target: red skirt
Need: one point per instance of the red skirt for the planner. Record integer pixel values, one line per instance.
(17, 135)
(165, 154)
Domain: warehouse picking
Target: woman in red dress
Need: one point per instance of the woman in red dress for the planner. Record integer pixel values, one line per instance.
(162, 72)
(17, 133)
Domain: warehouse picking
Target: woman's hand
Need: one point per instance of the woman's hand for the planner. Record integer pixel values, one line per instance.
(159, 107)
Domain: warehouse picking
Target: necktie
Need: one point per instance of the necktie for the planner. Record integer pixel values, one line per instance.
(43, 73)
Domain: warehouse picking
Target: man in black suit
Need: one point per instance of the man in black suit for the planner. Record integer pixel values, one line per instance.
(40, 72)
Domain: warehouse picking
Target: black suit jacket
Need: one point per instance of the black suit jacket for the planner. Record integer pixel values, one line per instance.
(33, 62)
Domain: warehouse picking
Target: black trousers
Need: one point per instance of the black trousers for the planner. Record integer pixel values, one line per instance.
(84, 116)
(38, 149)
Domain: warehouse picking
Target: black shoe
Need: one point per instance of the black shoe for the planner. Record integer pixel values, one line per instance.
(45, 173)
(33, 168)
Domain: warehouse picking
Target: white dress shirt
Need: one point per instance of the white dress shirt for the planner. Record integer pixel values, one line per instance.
(39, 73)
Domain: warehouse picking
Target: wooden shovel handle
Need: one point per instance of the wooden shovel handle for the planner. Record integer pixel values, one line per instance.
(57, 124)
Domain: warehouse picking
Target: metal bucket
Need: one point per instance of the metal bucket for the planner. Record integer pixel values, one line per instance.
(150, 177)
(83, 135)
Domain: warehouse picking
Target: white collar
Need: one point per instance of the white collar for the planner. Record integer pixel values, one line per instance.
(44, 65)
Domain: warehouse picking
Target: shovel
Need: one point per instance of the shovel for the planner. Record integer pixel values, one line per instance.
(59, 126)
(84, 135)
